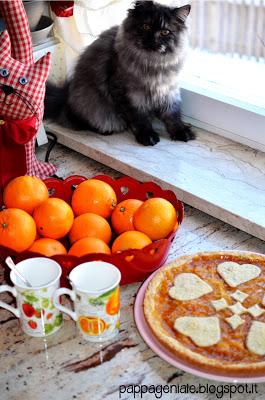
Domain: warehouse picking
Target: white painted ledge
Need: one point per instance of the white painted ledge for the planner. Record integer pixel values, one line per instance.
(225, 95)
(213, 174)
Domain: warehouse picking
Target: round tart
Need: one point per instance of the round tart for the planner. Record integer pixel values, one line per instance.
(209, 309)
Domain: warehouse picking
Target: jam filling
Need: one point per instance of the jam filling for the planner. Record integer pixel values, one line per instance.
(231, 347)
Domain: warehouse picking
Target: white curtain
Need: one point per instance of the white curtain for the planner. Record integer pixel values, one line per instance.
(91, 17)
(95, 16)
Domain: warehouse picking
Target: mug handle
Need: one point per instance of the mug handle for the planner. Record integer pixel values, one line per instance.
(7, 288)
(56, 301)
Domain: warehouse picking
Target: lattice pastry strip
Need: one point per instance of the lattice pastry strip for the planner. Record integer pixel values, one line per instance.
(237, 308)
(235, 321)
(220, 304)
(255, 311)
(239, 296)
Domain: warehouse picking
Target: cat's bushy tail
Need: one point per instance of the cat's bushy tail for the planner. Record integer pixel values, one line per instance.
(55, 100)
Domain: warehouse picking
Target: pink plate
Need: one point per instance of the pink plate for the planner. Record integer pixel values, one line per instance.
(166, 355)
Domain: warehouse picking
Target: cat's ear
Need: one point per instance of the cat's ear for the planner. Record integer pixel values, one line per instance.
(182, 13)
(5, 45)
(43, 65)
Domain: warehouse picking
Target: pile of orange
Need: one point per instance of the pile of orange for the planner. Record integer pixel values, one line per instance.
(32, 221)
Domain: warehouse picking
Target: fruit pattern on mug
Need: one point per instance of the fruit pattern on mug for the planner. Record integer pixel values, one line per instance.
(93, 326)
(99, 316)
(110, 299)
(39, 312)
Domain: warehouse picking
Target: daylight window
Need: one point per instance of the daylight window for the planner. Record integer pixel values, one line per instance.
(228, 42)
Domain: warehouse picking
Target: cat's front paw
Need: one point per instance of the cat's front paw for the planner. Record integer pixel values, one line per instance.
(184, 134)
(148, 139)
(107, 133)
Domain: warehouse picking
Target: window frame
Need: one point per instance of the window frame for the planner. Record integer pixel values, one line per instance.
(223, 115)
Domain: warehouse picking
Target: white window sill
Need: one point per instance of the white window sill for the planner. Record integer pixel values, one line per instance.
(213, 174)
(43, 48)
(226, 96)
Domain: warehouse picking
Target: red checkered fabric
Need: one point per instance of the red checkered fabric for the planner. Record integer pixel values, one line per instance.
(17, 25)
(36, 167)
(28, 99)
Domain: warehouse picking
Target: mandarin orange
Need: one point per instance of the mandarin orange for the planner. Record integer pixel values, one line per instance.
(156, 218)
(54, 218)
(89, 245)
(26, 193)
(48, 247)
(94, 196)
(90, 225)
(122, 216)
(130, 240)
(17, 229)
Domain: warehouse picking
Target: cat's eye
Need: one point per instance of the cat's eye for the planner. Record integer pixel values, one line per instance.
(164, 32)
(146, 27)
(23, 80)
(4, 72)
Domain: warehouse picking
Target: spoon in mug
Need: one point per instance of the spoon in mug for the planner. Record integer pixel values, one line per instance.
(10, 263)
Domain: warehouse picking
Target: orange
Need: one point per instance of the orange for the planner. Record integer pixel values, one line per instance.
(94, 196)
(90, 225)
(113, 305)
(130, 240)
(26, 193)
(122, 216)
(156, 218)
(48, 247)
(17, 229)
(89, 246)
(92, 326)
(54, 218)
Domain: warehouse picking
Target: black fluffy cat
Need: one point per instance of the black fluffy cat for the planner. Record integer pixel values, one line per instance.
(128, 76)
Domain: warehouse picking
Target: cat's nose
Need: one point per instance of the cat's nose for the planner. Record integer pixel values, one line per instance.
(7, 89)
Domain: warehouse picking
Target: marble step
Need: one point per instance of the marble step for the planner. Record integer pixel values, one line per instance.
(213, 174)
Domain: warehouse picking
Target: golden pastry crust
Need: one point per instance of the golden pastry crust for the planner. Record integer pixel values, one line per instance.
(192, 354)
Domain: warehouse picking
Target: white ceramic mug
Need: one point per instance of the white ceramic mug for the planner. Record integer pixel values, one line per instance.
(35, 310)
(96, 298)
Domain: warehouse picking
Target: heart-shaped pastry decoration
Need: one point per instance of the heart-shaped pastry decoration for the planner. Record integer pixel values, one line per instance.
(234, 274)
(256, 338)
(203, 331)
(188, 286)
